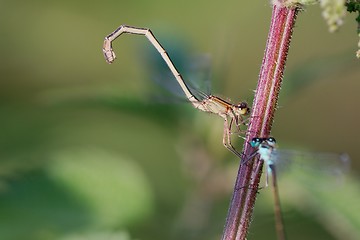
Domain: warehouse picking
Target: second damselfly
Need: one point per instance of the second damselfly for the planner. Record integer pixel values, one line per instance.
(333, 165)
(233, 114)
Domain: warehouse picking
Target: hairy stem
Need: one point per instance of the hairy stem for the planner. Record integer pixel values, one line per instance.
(263, 109)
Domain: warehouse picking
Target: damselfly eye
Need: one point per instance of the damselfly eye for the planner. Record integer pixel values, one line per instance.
(255, 142)
(271, 139)
(242, 105)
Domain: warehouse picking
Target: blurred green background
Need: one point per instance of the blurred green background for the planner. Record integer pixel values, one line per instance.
(85, 152)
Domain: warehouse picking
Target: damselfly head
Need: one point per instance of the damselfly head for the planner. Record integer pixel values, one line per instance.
(264, 142)
(242, 108)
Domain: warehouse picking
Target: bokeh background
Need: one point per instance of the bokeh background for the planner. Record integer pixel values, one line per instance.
(96, 151)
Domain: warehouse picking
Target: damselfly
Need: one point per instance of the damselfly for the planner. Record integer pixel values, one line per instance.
(330, 163)
(333, 164)
(231, 113)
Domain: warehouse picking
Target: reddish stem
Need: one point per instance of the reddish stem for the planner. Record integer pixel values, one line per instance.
(263, 109)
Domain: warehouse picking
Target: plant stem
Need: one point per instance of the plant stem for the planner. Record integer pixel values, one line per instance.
(263, 109)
